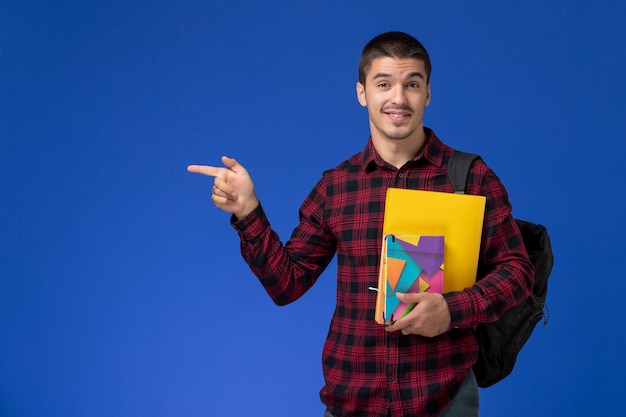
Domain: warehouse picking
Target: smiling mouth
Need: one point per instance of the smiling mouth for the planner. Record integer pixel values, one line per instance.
(397, 114)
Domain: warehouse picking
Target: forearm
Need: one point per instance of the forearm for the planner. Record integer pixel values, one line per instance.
(504, 287)
(285, 271)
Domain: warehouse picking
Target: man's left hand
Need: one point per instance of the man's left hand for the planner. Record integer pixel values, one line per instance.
(430, 317)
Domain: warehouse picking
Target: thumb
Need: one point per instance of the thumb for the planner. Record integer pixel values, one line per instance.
(231, 163)
(411, 297)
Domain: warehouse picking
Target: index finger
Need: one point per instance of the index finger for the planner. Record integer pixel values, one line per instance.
(396, 325)
(207, 170)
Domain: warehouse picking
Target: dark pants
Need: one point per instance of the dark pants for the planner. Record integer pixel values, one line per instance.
(464, 404)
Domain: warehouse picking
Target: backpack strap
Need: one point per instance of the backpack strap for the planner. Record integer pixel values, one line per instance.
(458, 169)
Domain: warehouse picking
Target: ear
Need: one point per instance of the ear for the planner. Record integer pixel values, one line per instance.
(360, 94)
(428, 95)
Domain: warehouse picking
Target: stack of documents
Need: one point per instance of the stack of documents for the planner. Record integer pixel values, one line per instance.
(431, 242)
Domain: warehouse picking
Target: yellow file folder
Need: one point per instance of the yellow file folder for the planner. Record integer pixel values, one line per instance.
(456, 217)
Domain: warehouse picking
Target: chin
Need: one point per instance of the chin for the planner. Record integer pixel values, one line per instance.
(398, 136)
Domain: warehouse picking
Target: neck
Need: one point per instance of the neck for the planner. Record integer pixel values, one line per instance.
(398, 152)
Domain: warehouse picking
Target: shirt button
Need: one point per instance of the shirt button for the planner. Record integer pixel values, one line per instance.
(390, 378)
(393, 337)
(400, 175)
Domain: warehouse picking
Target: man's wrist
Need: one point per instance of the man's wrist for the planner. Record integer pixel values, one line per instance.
(247, 210)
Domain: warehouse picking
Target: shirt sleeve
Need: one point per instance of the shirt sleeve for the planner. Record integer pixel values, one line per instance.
(288, 270)
(505, 273)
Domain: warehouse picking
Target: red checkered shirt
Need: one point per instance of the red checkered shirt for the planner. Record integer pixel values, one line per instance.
(368, 371)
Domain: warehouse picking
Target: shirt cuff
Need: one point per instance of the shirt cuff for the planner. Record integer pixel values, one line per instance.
(251, 227)
(460, 306)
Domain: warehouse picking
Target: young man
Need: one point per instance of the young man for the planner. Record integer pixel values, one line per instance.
(422, 364)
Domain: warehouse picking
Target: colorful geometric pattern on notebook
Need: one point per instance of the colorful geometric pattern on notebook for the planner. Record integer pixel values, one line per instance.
(413, 264)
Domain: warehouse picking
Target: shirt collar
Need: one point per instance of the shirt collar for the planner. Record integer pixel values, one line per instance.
(432, 152)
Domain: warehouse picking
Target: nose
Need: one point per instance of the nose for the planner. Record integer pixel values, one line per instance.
(398, 96)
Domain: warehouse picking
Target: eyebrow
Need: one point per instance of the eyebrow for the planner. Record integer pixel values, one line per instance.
(411, 75)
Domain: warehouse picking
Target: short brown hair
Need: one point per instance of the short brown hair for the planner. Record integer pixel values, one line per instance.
(393, 45)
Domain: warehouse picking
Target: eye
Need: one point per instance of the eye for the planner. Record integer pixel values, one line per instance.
(413, 85)
(383, 85)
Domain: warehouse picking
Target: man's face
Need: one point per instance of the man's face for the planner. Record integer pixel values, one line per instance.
(396, 94)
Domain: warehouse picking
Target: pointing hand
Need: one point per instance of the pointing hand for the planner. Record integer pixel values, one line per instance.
(233, 189)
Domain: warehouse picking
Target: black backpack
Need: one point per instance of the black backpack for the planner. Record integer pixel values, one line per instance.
(500, 341)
